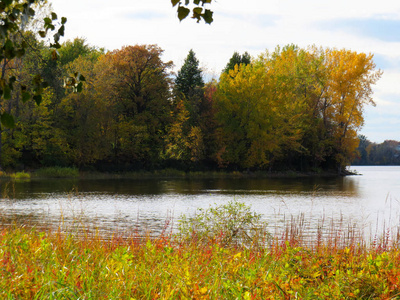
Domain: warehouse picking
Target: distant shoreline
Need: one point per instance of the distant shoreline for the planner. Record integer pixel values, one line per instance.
(61, 172)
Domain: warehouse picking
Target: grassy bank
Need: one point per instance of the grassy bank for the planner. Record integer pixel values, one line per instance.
(51, 265)
(221, 253)
(72, 172)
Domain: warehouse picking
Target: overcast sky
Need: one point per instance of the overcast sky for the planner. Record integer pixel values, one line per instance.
(254, 26)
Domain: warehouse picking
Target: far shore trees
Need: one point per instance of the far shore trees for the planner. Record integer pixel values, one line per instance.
(290, 109)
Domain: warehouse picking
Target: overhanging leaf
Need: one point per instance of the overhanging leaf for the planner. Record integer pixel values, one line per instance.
(38, 99)
(81, 77)
(174, 2)
(79, 87)
(7, 92)
(208, 16)
(183, 12)
(197, 10)
(25, 96)
(7, 120)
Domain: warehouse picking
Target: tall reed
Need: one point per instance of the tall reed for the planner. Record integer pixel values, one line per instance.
(334, 263)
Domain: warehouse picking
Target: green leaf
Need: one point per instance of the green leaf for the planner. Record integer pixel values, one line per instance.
(20, 52)
(38, 99)
(25, 96)
(7, 120)
(9, 50)
(174, 2)
(53, 16)
(79, 87)
(208, 16)
(56, 37)
(44, 84)
(197, 2)
(31, 12)
(183, 12)
(61, 30)
(63, 20)
(7, 92)
(197, 10)
(42, 33)
(11, 81)
(81, 77)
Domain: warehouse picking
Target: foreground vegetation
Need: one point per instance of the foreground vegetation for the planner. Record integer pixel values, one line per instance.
(202, 263)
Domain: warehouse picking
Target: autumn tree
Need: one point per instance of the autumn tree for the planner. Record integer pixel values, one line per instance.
(82, 117)
(351, 76)
(188, 107)
(246, 113)
(295, 105)
(136, 83)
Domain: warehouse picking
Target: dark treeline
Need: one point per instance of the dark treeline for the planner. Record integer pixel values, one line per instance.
(291, 109)
(369, 153)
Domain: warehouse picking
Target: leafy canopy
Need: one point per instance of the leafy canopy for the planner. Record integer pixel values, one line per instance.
(14, 16)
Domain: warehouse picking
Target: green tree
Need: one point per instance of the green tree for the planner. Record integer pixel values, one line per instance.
(28, 143)
(71, 50)
(189, 79)
(189, 86)
(237, 59)
(362, 153)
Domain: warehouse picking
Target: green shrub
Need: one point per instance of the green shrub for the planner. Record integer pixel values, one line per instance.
(231, 224)
(21, 176)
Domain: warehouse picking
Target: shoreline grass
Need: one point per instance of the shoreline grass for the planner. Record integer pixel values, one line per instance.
(201, 261)
(42, 264)
(57, 172)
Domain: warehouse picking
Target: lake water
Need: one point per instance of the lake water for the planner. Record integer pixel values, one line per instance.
(371, 201)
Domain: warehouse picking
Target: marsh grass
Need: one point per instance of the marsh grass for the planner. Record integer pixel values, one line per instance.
(335, 262)
(21, 176)
(57, 172)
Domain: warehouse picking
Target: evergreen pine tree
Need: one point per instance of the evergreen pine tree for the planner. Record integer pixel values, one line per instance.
(237, 59)
(189, 77)
(189, 86)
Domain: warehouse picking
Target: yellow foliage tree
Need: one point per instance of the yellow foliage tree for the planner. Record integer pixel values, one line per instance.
(295, 105)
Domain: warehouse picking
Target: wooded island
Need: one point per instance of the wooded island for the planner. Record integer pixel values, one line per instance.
(289, 109)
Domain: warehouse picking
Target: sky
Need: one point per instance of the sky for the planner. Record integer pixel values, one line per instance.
(254, 26)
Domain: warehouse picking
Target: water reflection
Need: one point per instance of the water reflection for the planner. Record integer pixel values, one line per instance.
(143, 205)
